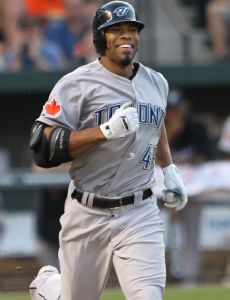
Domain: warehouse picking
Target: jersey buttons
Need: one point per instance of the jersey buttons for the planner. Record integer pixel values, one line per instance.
(131, 155)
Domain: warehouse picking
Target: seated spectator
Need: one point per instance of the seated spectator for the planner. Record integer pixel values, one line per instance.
(218, 26)
(27, 48)
(68, 32)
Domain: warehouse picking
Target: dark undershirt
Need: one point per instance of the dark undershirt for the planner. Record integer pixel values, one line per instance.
(135, 69)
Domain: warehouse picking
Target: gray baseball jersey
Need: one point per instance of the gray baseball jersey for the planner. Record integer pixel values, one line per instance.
(131, 237)
(87, 97)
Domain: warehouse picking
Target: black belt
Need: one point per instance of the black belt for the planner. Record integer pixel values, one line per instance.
(111, 203)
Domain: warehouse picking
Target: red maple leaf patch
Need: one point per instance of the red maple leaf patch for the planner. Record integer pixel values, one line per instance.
(52, 108)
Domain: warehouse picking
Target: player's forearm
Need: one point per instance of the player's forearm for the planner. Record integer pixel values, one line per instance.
(82, 140)
(163, 155)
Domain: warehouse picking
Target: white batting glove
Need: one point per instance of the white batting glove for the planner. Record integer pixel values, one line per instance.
(122, 123)
(175, 196)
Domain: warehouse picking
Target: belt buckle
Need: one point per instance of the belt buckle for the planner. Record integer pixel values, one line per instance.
(119, 203)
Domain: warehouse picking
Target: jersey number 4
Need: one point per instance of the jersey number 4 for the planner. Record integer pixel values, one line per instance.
(148, 157)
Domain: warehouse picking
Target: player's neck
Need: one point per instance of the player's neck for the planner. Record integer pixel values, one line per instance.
(124, 71)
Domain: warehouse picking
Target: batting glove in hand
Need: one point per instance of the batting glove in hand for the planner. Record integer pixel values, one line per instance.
(122, 123)
(175, 196)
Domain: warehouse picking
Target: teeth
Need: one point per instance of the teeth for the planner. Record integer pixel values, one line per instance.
(125, 46)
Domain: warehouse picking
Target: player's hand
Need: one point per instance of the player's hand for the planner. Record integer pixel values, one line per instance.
(175, 195)
(122, 123)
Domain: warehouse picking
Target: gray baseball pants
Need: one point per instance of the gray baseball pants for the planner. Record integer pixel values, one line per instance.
(91, 240)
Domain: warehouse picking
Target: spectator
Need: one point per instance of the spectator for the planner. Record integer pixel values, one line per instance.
(200, 9)
(45, 35)
(10, 13)
(187, 136)
(27, 48)
(218, 25)
(67, 33)
(88, 9)
(190, 144)
(224, 141)
(224, 147)
(85, 49)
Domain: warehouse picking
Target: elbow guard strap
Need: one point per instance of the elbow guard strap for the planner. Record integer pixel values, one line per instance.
(59, 146)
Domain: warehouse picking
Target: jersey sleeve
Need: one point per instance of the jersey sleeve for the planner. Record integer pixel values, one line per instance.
(166, 86)
(64, 105)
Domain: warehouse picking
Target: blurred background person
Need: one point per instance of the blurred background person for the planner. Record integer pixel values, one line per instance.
(33, 50)
(199, 8)
(224, 148)
(190, 145)
(46, 35)
(10, 12)
(224, 141)
(68, 32)
(218, 26)
(85, 49)
(200, 17)
(50, 207)
(4, 167)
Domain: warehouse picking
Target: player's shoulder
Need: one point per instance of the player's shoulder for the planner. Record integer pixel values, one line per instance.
(78, 76)
(152, 72)
(155, 76)
(84, 70)
(81, 72)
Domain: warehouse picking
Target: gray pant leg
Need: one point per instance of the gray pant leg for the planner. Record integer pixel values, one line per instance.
(85, 253)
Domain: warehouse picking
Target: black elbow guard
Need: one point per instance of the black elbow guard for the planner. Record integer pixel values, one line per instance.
(52, 152)
(59, 146)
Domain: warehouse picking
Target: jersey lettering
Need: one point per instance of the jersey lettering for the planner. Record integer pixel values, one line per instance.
(104, 114)
(148, 114)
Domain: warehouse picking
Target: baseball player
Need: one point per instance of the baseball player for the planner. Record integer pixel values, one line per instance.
(107, 117)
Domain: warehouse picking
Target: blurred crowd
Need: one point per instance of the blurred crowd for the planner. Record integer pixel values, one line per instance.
(56, 34)
(44, 34)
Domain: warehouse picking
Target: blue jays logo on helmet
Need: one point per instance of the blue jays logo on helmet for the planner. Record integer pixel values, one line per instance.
(121, 11)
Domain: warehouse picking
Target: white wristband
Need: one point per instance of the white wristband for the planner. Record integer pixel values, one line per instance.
(169, 169)
(106, 130)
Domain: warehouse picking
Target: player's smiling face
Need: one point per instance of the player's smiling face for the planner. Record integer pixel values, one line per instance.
(122, 42)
